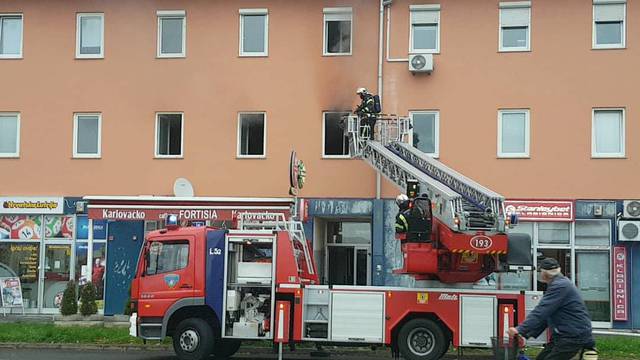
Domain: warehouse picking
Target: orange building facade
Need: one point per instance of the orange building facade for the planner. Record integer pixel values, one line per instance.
(533, 99)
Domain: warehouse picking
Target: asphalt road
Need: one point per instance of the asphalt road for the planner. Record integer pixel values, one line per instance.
(57, 354)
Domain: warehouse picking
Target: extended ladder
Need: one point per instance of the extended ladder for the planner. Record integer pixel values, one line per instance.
(460, 202)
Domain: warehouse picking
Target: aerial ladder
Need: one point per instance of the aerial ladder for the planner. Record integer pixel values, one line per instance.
(467, 239)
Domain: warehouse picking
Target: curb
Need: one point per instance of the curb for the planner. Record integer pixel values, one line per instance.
(124, 347)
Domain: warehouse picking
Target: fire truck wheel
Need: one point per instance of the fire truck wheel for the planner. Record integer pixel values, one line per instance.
(226, 348)
(193, 339)
(422, 339)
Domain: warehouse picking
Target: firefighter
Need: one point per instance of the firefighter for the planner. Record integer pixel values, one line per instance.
(402, 225)
(366, 111)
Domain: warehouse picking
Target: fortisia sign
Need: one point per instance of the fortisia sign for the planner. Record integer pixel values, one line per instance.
(265, 214)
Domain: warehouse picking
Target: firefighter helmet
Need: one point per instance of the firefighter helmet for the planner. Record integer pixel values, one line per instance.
(402, 200)
(361, 91)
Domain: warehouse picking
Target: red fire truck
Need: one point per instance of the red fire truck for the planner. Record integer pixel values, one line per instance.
(209, 289)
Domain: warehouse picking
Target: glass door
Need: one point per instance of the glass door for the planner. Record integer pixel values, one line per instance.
(348, 265)
(55, 273)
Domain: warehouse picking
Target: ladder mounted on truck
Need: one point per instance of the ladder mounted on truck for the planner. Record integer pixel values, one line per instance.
(461, 203)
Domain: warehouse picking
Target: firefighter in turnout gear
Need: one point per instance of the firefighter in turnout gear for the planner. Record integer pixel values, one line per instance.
(402, 225)
(367, 111)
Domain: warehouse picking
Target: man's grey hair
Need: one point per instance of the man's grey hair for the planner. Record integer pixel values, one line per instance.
(553, 272)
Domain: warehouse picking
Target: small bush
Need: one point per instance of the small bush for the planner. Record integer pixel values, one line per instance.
(88, 304)
(127, 305)
(69, 304)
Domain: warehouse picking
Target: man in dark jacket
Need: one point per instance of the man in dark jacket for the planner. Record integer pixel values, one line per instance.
(563, 311)
(366, 110)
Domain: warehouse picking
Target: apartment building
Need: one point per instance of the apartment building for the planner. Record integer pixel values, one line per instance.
(115, 101)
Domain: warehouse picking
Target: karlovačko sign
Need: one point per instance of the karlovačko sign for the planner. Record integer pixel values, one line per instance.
(541, 210)
(124, 214)
(31, 205)
(620, 283)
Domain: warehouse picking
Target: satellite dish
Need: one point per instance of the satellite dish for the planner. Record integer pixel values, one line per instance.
(182, 188)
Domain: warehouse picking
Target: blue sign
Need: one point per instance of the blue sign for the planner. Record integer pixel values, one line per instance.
(99, 229)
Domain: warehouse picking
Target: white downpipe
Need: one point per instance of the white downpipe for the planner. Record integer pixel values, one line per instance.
(380, 59)
(388, 46)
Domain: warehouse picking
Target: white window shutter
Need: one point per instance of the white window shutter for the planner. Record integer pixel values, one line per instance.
(425, 16)
(609, 12)
(514, 17)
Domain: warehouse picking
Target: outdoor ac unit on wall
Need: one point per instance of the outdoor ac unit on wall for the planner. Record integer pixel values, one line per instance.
(631, 209)
(421, 63)
(629, 230)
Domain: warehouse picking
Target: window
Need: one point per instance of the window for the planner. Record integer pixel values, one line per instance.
(87, 135)
(607, 139)
(515, 26)
(9, 134)
(172, 29)
(337, 31)
(593, 279)
(513, 133)
(90, 36)
(252, 135)
(593, 233)
(609, 24)
(425, 29)
(167, 257)
(10, 36)
(553, 233)
(335, 143)
(254, 32)
(169, 135)
(425, 132)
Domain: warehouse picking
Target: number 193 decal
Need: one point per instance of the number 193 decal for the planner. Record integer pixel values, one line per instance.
(481, 242)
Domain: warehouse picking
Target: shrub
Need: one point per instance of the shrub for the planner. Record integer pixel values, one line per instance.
(88, 304)
(69, 304)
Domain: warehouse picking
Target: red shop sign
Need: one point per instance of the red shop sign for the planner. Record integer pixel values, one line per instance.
(197, 214)
(540, 210)
(620, 283)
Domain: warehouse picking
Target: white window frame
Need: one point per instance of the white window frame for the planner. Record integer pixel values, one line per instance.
(418, 8)
(17, 153)
(514, 5)
(14, 56)
(623, 33)
(527, 134)
(157, 150)
(239, 136)
(168, 14)
(335, 15)
(324, 120)
(263, 12)
(594, 153)
(79, 17)
(436, 154)
(75, 137)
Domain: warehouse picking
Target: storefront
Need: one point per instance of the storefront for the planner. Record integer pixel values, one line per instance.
(43, 243)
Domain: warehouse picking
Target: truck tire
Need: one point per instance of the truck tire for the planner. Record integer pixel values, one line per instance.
(225, 348)
(193, 339)
(422, 339)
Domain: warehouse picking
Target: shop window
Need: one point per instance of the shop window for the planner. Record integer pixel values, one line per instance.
(553, 233)
(169, 128)
(90, 36)
(337, 31)
(593, 233)
(21, 227)
(335, 143)
(609, 24)
(21, 259)
(608, 135)
(515, 22)
(10, 36)
(513, 133)
(86, 135)
(425, 131)
(348, 232)
(172, 27)
(425, 29)
(252, 135)
(58, 227)
(564, 259)
(9, 134)
(593, 279)
(167, 257)
(254, 30)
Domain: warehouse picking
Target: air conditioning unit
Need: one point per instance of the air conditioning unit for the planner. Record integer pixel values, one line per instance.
(629, 230)
(631, 209)
(421, 63)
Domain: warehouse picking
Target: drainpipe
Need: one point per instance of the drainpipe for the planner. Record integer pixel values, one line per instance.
(383, 4)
